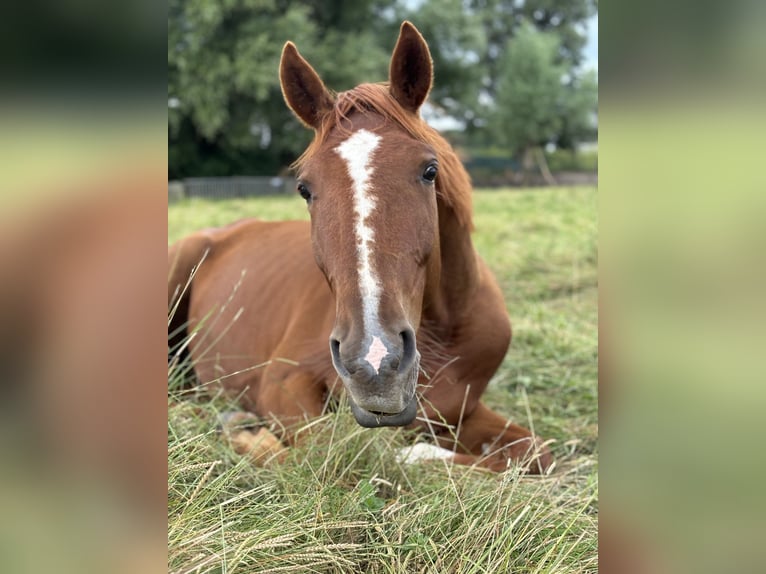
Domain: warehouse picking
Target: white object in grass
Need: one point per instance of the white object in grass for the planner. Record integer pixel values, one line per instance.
(422, 451)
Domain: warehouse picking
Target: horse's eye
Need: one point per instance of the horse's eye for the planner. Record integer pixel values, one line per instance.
(430, 172)
(304, 191)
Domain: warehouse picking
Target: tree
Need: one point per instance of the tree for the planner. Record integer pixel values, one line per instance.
(456, 41)
(501, 20)
(226, 114)
(579, 109)
(533, 104)
(468, 40)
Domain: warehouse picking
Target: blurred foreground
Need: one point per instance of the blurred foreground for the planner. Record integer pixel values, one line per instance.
(82, 312)
(683, 277)
(82, 342)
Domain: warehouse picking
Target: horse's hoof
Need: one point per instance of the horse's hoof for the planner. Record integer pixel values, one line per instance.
(536, 457)
(260, 446)
(530, 455)
(231, 420)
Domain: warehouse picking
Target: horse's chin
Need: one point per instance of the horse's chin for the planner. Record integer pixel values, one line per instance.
(369, 419)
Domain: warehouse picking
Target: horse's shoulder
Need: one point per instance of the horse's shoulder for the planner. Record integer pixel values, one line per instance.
(235, 228)
(248, 232)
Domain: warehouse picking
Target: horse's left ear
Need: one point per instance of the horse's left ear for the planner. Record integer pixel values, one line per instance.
(411, 71)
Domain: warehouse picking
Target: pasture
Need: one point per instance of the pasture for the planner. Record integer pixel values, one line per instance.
(342, 503)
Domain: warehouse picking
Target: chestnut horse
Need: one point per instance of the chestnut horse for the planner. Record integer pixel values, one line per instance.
(386, 272)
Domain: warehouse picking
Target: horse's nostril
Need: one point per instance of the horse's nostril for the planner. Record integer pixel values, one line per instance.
(335, 351)
(408, 349)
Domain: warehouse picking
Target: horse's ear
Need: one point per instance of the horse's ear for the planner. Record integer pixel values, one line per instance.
(411, 71)
(302, 88)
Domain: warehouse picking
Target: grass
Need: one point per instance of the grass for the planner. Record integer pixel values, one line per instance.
(342, 503)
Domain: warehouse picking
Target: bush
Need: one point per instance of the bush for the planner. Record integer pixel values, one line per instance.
(568, 160)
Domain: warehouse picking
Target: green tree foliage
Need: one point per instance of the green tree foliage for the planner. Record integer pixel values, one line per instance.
(535, 105)
(226, 115)
(469, 40)
(456, 41)
(501, 20)
(226, 112)
(530, 91)
(578, 110)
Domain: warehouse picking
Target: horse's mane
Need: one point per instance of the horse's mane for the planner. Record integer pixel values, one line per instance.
(453, 184)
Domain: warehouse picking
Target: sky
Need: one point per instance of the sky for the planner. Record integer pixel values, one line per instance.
(591, 48)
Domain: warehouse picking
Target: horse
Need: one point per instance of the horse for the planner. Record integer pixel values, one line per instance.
(385, 274)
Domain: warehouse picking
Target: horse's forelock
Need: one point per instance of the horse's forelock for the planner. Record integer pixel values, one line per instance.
(453, 184)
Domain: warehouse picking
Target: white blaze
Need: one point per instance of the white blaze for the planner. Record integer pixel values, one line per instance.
(357, 151)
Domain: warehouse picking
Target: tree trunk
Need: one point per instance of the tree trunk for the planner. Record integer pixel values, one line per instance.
(527, 164)
(543, 165)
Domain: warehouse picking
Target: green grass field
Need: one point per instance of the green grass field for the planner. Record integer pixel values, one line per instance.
(341, 503)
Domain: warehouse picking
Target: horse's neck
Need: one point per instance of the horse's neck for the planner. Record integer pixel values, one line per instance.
(454, 276)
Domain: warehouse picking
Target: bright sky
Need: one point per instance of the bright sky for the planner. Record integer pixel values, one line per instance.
(591, 48)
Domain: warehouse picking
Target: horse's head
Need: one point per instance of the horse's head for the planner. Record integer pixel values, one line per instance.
(369, 184)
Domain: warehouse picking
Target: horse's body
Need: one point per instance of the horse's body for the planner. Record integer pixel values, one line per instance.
(386, 271)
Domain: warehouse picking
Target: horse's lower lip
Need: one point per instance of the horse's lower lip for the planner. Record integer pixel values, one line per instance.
(369, 419)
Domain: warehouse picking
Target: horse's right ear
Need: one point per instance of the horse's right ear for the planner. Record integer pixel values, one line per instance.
(302, 88)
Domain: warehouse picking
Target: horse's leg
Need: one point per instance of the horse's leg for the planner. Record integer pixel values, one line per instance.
(282, 406)
(295, 399)
(248, 437)
(488, 439)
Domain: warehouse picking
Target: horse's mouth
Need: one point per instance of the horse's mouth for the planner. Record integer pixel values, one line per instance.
(372, 419)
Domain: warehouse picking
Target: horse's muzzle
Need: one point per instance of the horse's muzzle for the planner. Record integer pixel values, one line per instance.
(381, 384)
(370, 419)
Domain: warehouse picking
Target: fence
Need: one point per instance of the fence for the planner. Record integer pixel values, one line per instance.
(229, 187)
(484, 171)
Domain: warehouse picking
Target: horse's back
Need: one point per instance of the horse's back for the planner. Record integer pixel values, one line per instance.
(256, 289)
